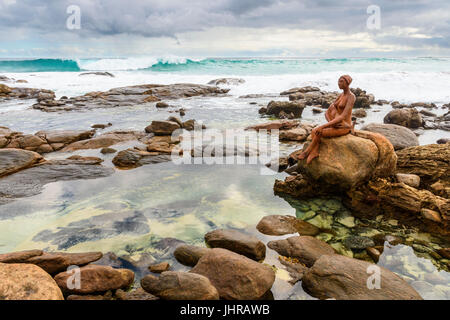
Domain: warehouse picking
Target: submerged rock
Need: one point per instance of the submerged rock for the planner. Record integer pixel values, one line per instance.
(358, 242)
(238, 242)
(235, 277)
(343, 278)
(31, 181)
(98, 227)
(172, 285)
(27, 282)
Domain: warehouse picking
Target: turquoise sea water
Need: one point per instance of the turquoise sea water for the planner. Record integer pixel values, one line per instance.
(237, 66)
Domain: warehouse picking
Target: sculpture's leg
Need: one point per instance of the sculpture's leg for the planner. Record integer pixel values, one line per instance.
(305, 153)
(327, 133)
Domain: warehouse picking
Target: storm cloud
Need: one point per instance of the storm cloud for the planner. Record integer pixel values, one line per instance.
(416, 24)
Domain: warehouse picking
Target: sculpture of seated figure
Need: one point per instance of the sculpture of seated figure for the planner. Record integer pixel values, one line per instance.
(339, 117)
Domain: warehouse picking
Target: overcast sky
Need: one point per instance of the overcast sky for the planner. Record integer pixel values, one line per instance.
(213, 28)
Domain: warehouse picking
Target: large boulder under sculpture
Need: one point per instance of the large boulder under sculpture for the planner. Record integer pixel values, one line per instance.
(343, 278)
(347, 161)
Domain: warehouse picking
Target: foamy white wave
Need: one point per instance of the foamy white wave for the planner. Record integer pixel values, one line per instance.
(129, 64)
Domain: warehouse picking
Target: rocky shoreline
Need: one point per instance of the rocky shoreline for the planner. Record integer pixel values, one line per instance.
(383, 177)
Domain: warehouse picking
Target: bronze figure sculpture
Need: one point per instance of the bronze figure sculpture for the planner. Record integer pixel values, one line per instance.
(339, 117)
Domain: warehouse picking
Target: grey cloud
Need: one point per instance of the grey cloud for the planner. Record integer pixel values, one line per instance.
(156, 18)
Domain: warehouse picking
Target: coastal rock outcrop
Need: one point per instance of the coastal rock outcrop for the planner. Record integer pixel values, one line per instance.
(42, 141)
(396, 200)
(9, 93)
(431, 163)
(105, 140)
(129, 96)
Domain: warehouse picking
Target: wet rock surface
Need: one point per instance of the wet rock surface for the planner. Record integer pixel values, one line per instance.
(431, 163)
(31, 181)
(277, 225)
(304, 248)
(238, 242)
(173, 285)
(235, 277)
(343, 278)
(42, 141)
(94, 278)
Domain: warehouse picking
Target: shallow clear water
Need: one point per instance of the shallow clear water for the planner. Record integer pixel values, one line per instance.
(130, 211)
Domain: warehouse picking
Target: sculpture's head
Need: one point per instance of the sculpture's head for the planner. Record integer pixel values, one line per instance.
(344, 81)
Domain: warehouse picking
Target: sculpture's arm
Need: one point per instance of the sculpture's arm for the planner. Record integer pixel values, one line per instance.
(328, 113)
(344, 115)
